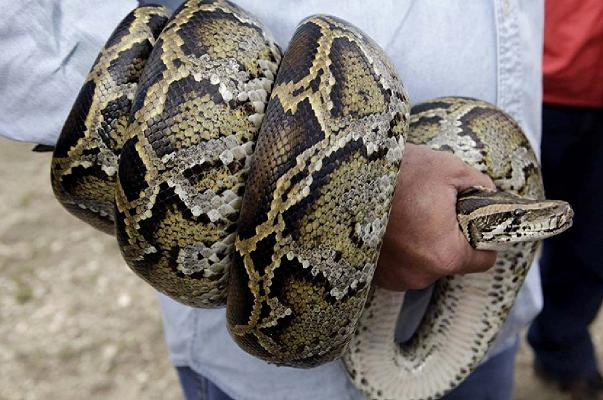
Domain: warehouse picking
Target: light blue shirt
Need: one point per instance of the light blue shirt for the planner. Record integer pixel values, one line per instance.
(488, 49)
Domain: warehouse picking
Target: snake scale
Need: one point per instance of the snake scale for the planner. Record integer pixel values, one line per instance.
(234, 174)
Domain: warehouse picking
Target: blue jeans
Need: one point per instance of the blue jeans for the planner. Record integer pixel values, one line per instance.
(571, 266)
(493, 380)
(197, 387)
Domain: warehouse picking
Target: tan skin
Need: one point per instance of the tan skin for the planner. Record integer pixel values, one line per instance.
(423, 241)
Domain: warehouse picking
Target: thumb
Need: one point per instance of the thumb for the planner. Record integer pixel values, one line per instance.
(475, 260)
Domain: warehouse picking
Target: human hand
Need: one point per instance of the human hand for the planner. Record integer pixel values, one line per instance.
(423, 241)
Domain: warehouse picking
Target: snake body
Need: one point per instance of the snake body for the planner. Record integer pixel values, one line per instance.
(193, 127)
(287, 230)
(86, 155)
(466, 311)
(318, 196)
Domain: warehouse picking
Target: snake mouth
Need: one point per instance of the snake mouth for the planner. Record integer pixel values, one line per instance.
(536, 230)
(546, 233)
(540, 234)
(561, 222)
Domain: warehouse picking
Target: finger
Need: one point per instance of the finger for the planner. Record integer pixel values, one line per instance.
(479, 260)
(470, 177)
(474, 260)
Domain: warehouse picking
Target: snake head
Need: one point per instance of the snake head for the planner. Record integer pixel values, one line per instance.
(495, 220)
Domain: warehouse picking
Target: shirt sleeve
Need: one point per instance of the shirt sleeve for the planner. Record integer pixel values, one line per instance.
(48, 47)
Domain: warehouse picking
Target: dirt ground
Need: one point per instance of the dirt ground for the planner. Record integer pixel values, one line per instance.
(74, 321)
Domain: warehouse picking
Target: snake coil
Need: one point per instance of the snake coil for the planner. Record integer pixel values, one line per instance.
(231, 173)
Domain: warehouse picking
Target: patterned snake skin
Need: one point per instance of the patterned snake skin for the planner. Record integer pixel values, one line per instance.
(193, 125)
(465, 311)
(212, 189)
(86, 155)
(318, 196)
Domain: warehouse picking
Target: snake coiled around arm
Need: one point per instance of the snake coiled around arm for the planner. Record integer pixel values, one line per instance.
(231, 173)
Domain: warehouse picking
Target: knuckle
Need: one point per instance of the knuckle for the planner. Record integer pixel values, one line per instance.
(416, 281)
(446, 261)
(452, 264)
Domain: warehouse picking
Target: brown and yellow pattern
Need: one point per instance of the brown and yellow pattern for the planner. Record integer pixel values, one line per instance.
(213, 189)
(318, 196)
(465, 312)
(193, 126)
(86, 156)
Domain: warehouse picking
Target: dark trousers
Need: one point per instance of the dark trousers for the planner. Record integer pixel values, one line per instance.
(571, 263)
(492, 380)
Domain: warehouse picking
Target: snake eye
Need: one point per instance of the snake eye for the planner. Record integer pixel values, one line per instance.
(518, 212)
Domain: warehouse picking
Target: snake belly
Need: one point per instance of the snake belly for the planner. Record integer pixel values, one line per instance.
(466, 311)
(318, 196)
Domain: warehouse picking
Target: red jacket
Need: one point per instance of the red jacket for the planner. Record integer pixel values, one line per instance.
(573, 53)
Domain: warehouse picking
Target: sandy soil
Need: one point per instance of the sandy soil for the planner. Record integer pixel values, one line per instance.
(74, 321)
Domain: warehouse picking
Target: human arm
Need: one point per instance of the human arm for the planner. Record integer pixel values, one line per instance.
(47, 50)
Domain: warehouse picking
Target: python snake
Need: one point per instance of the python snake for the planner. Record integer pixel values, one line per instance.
(234, 174)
